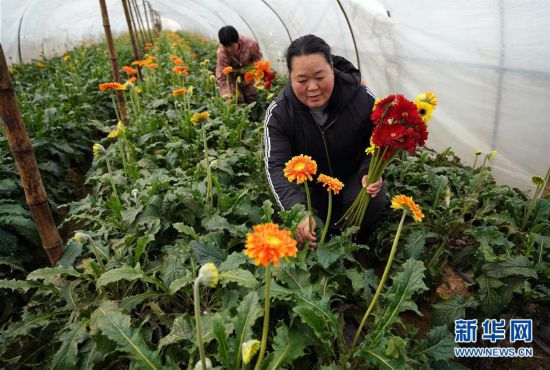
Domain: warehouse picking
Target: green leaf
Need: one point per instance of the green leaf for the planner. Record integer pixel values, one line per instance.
(51, 272)
(406, 282)
(517, 265)
(67, 355)
(247, 313)
(180, 283)
(288, 345)
(414, 244)
(233, 261)
(122, 273)
(491, 301)
(439, 344)
(215, 223)
(328, 253)
(25, 326)
(72, 251)
(12, 262)
(446, 312)
(378, 359)
(23, 285)
(316, 313)
(117, 327)
(242, 277)
(185, 229)
(221, 335)
(174, 266)
(181, 330)
(130, 302)
(207, 252)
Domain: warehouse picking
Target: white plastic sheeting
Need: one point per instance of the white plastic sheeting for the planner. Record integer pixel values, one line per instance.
(488, 61)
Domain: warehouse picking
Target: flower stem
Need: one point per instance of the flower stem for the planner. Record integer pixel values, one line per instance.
(207, 167)
(325, 229)
(200, 343)
(303, 252)
(382, 281)
(112, 178)
(266, 317)
(115, 107)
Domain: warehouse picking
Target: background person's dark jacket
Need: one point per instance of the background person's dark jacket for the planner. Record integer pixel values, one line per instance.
(338, 146)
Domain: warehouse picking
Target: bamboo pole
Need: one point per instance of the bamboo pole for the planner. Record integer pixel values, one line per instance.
(147, 22)
(135, 49)
(136, 30)
(114, 59)
(23, 153)
(139, 21)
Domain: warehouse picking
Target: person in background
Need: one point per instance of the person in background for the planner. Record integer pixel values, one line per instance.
(323, 112)
(236, 51)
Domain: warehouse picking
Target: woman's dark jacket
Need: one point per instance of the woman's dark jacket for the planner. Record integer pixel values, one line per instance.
(338, 146)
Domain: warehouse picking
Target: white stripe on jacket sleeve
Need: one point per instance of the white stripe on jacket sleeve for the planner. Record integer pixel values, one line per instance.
(267, 148)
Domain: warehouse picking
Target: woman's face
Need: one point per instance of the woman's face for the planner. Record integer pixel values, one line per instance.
(312, 79)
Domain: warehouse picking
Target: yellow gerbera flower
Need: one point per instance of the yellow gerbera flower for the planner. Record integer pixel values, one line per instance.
(331, 183)
(424, 110)
(199, 118)
(267, 244)
(407, 203)
(40, 65)
(427, 97)
(249, 350)
(372, 148)
(300, 168)
(97, 149)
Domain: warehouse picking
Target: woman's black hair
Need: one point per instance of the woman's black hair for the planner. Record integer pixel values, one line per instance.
(306, 45)
(228, 35)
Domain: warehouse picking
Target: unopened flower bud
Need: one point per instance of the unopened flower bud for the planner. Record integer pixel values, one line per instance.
(249, 350)
(491, 154)
(208, 275)
(198, 365)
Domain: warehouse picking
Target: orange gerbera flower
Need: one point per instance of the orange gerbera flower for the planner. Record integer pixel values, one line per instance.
(129, 70)
(110, 86)
(178, 92)
(177, 61)
(300, 168)
(267, 244)
(181, 70)
(249, 78)
(151, 65)
(264, 66)
(332, 183)
(227, 70)
(407, 203)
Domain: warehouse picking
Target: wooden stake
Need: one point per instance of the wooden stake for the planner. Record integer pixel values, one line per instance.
(135, 49)
(139, 21)
(21, 148)
(114, 59)
(131, 11)
(147, 21)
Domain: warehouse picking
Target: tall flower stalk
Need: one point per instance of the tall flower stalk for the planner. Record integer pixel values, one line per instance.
(208, 276)
(333, 186)
(112, 87)
(300, 169)
(540, 184)
(266, 245)
(408, 206)
(99, 149)
(201, 119)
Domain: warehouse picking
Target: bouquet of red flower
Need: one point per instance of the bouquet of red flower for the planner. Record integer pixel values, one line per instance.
(261, 76)
(399, 124)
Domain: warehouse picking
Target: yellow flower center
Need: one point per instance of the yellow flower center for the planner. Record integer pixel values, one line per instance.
(300, 166)
(273, 240)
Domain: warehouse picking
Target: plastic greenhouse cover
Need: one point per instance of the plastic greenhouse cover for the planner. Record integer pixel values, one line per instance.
(487, 61)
